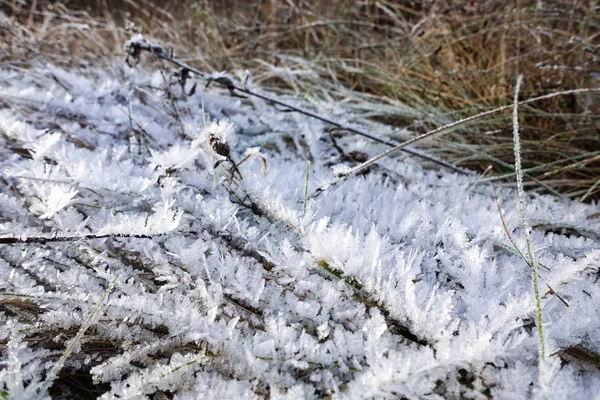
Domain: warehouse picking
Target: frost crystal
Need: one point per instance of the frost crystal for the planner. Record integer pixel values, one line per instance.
(55, 198)
(341, 169)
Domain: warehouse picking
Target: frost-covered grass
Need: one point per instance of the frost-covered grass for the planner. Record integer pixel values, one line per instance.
(418, 64)
(400, 281)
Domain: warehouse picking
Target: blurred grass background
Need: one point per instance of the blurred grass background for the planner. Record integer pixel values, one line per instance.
(414, 64)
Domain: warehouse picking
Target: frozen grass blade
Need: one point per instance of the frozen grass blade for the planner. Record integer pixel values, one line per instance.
(590, 191)
(534, 277)
(447, 128)
(455, 124)
(519, 252)
(53, 374)
(306, 187)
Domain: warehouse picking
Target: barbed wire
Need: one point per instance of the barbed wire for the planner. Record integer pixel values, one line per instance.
(135, 47)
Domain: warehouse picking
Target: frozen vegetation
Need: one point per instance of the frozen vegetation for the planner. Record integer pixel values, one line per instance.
(199, 280)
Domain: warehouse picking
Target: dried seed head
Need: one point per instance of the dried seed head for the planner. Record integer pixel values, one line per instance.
(219, 135)
(218, 145)
(358, 156)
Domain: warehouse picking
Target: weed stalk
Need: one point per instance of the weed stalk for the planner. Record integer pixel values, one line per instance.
(534, 274)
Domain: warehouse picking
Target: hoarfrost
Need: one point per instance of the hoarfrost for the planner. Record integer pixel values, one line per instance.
(400, 282)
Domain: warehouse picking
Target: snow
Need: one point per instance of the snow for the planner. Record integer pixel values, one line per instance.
(397, 282)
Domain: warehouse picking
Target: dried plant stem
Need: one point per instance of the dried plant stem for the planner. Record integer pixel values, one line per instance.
(534, 274)
(463, 121)
(448, 127)
(588, 157)
(53, 374)
(590, 191)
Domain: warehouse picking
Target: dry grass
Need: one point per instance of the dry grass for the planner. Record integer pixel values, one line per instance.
(418, 64)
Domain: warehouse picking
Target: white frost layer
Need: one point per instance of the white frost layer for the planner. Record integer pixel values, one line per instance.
(248, 293)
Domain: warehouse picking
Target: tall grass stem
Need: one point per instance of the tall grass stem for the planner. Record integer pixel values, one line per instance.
(530, 257)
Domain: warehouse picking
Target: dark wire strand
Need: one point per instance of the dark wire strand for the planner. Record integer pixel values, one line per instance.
(226, 82)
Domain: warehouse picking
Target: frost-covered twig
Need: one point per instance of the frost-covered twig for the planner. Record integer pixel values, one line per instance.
(448, 127)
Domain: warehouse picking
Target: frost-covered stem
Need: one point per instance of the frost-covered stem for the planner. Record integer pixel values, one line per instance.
(306, 187)
(532, 264)
(462, 122)
(53, 374)
(516, 249)
(241, 245)
(445, 128)
(172, 371)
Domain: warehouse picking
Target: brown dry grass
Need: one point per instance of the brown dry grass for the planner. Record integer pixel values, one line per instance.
(432, 61)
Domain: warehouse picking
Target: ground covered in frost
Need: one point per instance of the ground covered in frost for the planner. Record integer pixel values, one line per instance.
(400, 282)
